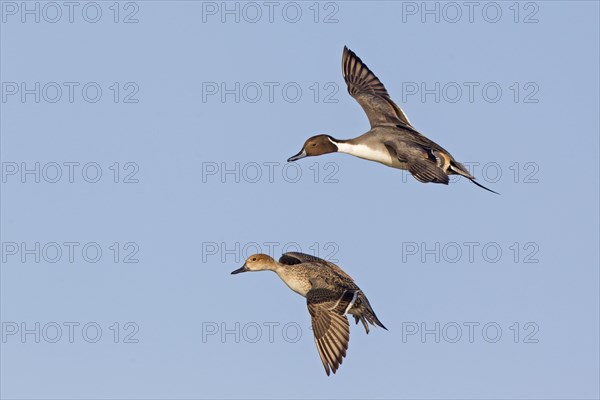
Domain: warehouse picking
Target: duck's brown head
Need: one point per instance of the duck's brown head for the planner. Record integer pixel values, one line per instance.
(315, 146)
(256, 262)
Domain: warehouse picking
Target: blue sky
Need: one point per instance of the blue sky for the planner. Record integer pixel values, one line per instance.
(143, 151)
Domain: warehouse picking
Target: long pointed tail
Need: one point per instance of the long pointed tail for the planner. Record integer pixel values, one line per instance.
(481, 186)
(460, 169)
(365, 314)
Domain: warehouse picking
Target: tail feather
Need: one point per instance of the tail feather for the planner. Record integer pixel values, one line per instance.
(363, 312)
(364, 322)
(483, 187)
(460, 169)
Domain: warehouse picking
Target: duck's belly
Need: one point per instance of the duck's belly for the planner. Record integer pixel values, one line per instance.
(380, 155)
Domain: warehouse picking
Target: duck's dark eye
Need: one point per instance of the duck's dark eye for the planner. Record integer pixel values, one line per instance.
(314, 144)
(253, 258)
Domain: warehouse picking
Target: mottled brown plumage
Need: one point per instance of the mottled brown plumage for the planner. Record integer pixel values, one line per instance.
(330, 294)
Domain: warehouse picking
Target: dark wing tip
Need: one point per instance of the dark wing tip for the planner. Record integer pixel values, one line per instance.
(350, 54)
(349, 67)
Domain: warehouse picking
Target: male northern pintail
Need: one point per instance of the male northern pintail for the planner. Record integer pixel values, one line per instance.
(330, 295)
(392, 140)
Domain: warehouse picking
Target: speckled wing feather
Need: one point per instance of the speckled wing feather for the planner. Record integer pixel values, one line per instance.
(370, 93)
(330, 325)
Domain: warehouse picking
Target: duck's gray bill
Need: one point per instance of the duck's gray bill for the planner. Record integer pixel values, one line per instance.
(240, 270)
(298, 156)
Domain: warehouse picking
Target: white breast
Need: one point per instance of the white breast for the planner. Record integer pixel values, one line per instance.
(368, 153)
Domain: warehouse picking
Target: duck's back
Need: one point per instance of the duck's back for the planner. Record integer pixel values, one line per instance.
(317, 269)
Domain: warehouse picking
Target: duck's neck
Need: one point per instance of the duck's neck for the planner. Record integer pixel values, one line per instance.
(278, 269)
(343, 146)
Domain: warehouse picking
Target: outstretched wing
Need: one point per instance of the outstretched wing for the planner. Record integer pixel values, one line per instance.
(370, 93)
(330, 325)
(293, 257)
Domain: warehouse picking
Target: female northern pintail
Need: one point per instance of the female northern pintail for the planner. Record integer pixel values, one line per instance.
(392, 140)
(330, 295)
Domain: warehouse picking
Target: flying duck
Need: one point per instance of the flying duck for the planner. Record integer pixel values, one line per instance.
(330, 295)
(392, 140)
